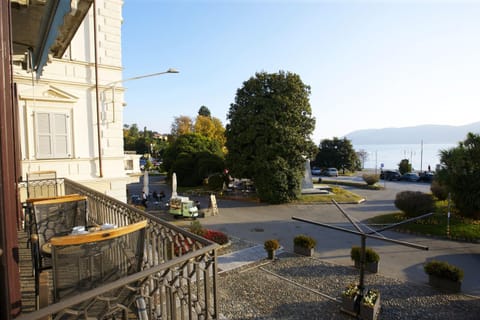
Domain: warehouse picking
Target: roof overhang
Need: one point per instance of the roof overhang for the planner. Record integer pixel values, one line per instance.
(45, 27)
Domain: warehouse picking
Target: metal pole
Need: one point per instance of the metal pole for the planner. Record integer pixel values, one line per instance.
(97, 92)
(448, 215)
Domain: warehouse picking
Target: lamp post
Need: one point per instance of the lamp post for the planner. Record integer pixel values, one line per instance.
(112, 85)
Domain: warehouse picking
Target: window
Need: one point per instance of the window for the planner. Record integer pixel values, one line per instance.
(53, 135)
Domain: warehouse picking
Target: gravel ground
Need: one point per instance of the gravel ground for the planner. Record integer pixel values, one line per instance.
(295, 287)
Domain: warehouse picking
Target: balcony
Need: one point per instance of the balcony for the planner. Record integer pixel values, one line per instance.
(178, 279)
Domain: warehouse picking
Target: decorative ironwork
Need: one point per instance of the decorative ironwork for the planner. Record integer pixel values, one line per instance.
(177, 280)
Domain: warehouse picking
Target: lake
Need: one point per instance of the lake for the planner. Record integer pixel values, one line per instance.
(390, 155)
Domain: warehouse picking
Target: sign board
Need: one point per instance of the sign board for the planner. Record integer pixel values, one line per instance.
(381, 165)
(213, 205)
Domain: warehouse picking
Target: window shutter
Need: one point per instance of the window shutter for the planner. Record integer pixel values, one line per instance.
(52, 135)
(44, 139)
(60, 135)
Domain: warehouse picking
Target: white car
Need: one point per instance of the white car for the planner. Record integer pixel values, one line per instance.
(330, 172)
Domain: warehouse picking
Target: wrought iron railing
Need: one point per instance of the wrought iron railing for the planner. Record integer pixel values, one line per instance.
(178, 280)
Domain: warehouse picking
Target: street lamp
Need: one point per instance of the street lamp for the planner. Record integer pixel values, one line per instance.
(112, 85)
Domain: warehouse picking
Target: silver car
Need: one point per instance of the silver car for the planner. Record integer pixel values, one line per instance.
(330, 172)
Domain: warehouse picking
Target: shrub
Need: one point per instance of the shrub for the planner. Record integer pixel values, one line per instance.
(216, 236)
(414, 203)
(196, 228)
(304, 241)
(215, 182)
(444, 270)
(370, 254)
(438, 190)
(370, 179)
(271, 244)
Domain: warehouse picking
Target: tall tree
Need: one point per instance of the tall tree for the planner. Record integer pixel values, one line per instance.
(210, 127)
(460, 173)
(337, 153)
(268, 137)
(182, 125)
(204, 111)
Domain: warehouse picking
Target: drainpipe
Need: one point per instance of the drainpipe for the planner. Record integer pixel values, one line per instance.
(97, 91)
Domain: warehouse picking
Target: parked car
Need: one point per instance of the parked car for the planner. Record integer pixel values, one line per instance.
(427, 177)
(316, 171)
(390, 175)
(410, 176)
(330, 172)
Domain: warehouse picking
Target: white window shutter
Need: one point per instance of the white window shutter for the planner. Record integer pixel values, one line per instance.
(52, 135)
(60, 134)
(44, 137)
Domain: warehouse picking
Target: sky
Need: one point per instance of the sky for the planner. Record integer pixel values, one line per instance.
(369, 64)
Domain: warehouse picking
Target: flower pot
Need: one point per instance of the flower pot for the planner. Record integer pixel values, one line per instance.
(348, 305)
(303, 251)
(369, 313)
(444, 284)
(369, 266)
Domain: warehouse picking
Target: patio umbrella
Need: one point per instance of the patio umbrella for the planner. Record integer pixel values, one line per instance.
(145, 182)
(174, 185)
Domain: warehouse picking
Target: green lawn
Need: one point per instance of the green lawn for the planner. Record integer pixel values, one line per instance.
(436, 225)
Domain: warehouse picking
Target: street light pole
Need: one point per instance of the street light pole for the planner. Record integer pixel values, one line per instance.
(111, 85)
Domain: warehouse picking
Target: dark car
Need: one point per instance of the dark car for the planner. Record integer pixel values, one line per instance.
(390, 175)
(410, 176)
(427, 177)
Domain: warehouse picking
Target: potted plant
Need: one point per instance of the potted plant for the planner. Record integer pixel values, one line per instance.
(370, 306)
(349, 296)
(444, 275)
(371, 258)
(304, 245)
(270, 246)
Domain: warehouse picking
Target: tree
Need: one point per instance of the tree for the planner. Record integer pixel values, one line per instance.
(460, 174)
(204, 111)
(404, 166)
(193, 157)
(363, 156)
(182, 125)
(337, 153)
(211, 128)
(268, 137)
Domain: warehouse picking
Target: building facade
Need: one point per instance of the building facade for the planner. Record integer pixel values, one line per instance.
(71, 118)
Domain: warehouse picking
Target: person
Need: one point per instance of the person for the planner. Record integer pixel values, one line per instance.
(144, 199)
(162, 194)
(429, 168)
(155, 195)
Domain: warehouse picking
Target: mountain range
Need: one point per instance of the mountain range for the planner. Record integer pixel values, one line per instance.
(435, 134)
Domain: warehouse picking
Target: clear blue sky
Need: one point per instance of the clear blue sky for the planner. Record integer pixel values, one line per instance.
(370, 64)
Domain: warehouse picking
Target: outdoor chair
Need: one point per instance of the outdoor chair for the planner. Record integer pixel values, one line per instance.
(87, 261)
(53, 217)
(42, 184)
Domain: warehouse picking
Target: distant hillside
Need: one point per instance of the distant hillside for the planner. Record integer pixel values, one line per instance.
(408, 135)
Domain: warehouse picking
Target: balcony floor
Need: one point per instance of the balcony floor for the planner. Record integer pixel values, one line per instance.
(27, 280)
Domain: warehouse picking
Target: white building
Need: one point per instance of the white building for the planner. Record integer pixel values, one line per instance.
(71, 118)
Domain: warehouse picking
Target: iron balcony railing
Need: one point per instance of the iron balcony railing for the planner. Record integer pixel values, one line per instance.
(178, 280)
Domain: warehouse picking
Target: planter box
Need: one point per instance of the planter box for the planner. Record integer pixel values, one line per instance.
(369, 266)
(367, 313)
(303, 251)
(445, 284)
(348, 305)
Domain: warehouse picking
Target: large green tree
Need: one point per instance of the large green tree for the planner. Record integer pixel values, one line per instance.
(268, 136)
(337, 153)
(460, 173)
(193, 157)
